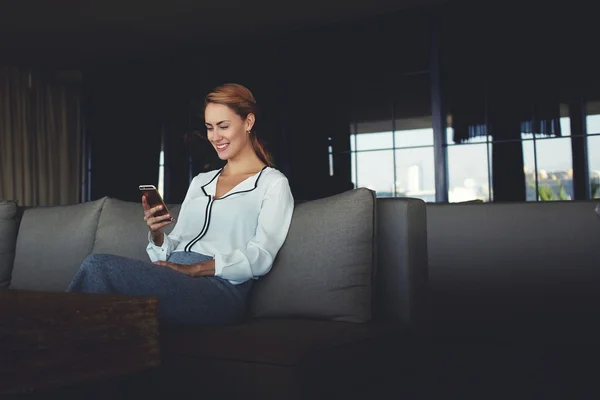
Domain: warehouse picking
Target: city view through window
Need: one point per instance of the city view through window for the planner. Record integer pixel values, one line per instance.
(403, 165)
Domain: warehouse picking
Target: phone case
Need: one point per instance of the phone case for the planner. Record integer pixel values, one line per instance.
(154, 199)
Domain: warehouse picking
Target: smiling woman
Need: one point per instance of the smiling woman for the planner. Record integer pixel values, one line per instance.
(231, 225)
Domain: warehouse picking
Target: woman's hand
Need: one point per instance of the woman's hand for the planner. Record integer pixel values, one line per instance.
(203, 268)
(155, 224)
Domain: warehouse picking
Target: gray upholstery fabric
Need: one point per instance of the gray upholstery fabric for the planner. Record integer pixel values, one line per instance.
(51, 244)
(8, 239)
(402, 272)
(528, 259)
(122, 230)
(326, 266)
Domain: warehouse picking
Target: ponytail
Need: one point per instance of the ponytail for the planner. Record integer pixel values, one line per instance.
(261, 150)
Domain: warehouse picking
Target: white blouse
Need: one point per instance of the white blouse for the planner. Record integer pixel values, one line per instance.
(243, 229)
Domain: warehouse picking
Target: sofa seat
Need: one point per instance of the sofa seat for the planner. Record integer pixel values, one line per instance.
(277, 357)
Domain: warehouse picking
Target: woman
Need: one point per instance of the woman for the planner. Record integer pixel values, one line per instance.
(231, 225)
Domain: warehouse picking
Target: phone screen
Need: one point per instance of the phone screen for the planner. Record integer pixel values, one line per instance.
(154, 199)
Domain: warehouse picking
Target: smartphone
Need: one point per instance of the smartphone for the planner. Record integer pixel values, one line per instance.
(155, 199)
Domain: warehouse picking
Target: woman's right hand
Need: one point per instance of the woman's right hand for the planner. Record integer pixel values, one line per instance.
(155, 224)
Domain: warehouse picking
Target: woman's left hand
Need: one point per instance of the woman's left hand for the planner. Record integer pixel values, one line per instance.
(203, 268)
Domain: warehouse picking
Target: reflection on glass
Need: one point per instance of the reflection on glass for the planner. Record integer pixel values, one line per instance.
(415, 173)
(375, 170)
(477, 139)
(374, 141)
(414, 137)
(468, 173)
(594, 165)
(565, 130)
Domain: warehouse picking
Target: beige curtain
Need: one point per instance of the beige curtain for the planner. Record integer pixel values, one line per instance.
(40, 139)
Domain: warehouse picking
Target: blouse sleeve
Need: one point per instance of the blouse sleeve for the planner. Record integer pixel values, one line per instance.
(274, 220)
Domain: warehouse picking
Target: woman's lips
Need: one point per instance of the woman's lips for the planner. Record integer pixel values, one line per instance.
(221, 147)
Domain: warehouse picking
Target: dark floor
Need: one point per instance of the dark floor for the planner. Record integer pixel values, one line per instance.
(495, 370)
(464, 368)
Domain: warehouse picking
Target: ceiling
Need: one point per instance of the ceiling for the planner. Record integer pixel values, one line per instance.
(73, 30)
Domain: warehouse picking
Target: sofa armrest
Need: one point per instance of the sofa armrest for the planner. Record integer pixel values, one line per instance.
(402, 267)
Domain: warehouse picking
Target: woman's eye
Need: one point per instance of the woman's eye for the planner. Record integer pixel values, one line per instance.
(224, 127)
(209, 129)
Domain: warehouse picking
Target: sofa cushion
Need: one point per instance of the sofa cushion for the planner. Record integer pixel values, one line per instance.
(122, 230)
(51, 244)
(325, 268)
(8, 240)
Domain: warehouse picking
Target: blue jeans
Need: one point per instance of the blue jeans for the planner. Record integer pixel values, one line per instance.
(182, 299)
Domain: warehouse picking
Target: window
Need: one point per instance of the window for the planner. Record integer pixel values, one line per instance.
(391, 140)
(469, 166)
(548, 164)
(593, 146)
(547, 161)
(330, 151)
(161, 173)
(375, 170)
(415, 173)
(161, 168)
(394, 163)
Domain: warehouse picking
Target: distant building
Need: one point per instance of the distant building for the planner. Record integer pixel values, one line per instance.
(415, 178)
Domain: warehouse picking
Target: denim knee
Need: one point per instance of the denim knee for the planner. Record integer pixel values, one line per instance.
(94, 261)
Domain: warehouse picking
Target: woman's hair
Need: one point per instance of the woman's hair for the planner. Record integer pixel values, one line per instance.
(242, 102)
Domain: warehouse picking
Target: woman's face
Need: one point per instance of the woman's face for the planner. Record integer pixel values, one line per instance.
(227, 131)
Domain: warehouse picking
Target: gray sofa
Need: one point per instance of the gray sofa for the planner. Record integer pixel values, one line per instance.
(346, 292)
(515, 270)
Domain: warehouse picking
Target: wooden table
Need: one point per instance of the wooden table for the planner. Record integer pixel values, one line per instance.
(54, 340)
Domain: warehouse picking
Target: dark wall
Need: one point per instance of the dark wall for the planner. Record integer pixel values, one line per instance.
(305, 82)
(122, 118)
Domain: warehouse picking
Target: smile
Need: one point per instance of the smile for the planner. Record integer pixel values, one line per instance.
(221, 147)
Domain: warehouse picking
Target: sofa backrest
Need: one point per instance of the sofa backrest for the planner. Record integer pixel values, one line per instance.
(388, 234)
(122, 230)
(51, 243)
(497, 262)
